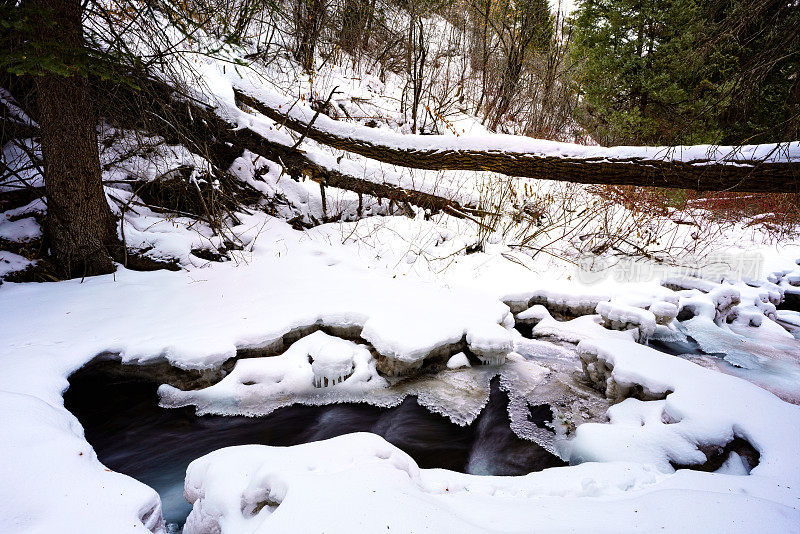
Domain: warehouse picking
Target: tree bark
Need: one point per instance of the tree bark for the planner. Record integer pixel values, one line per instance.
(308, 17)
(80, 228)
(701, 175)
(156, 111)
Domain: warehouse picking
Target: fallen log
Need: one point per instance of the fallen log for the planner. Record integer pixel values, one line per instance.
(646, 166)
(297, 164)
(203, 130)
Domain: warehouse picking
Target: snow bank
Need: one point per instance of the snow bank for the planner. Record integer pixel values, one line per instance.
(618, 316)
(53, 482)
(702, 409)
(288, 285)
(360, 483)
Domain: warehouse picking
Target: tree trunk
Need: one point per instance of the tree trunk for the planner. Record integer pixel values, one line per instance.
(224, 141)
(308, 17)
(737, 174)
(80, 228)
(508, 85)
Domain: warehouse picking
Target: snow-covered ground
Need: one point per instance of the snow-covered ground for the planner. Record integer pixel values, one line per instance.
(289, 281)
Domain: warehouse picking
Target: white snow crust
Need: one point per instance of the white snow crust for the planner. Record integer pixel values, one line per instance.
(369, 485)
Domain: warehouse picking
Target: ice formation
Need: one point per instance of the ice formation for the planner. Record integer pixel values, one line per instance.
(314, 362)
(258, 386)
(618, 316)
(332, 360)
(491, 344)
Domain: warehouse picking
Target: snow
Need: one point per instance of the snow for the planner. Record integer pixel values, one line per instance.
(366, 485)
(20, 230)
(259, 385)
(197, 319)
(618, 316)
(565, 300)
(664, 312)
(26, 174)
(17, 114)
(458, 360)
(251, 85)
(490, 343)
(10, 262)
(53, 482)
(734, 465)
(533, 315)
(288, 283)
(791, 317)
(701, 408)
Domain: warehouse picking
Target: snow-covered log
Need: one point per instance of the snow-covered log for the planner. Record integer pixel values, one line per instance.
(224, 141)
(755, 168)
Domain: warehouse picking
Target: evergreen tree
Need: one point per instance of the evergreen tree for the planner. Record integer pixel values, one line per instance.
(44, 38)
(760, 39)
(686, 72)
(634, 88)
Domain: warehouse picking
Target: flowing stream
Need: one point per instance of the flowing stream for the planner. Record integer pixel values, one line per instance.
(133, 435)
(118, 408)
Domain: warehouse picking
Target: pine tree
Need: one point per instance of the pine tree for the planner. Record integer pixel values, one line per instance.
(47, 43)
(632, 80)
(688, 71)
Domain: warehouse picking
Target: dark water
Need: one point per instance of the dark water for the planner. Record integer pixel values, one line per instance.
(133, 435)
(678, 348)
(791, 301)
